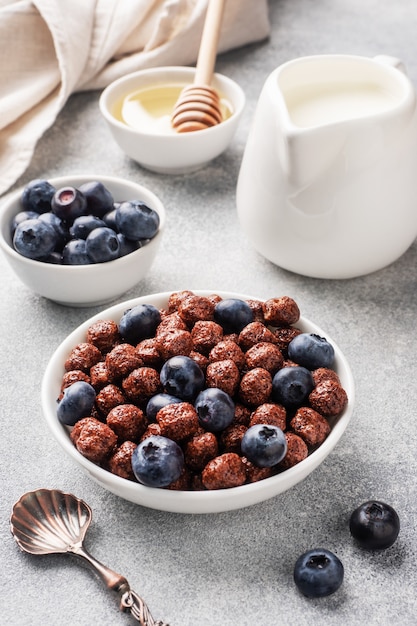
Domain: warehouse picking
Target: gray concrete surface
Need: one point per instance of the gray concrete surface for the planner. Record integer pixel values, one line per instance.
(230, 569)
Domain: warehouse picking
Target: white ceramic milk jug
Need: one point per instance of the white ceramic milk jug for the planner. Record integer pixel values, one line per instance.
(328, 182)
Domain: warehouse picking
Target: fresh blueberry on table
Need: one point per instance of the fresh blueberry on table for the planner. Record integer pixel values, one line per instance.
(292, 385)
(83, 225)
(215, 409)
(139, 323)
(182, 377)
(318, 573)
(157, 402)
(157, 461)
(69, 203)
(135, 220)
(34, 238)
(76, 403)
(99, 198)
(37, 196)
(374, 525)
(233, 314)
(75, 253)
(102, 245)
(311, 351)
(264, 445)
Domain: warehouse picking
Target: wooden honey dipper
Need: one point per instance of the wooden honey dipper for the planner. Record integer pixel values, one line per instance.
(198, 105)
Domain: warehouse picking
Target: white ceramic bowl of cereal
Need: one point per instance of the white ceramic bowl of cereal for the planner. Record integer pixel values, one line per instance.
(83, 285)
(144, 132)
(208, 501)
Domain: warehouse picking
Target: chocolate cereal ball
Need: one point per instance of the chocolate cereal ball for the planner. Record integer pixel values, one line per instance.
(324, 373)
(205, 335)
(127, 421)
(328, 398)
(194, 308)
(99, 375)
(74, 376)
(148, 352)
(109, 397)
(178, 421)
(176, 298)
(253, 333)
(224, 471)
(231, 438)
(284, 335)
(224, 375)
(172, 321)
(82, 357)
(281, 311)
(93, 439)
(271, 414)
(227, 349)
(255, 387)
(121, 360)
(174, 342)
(310, 426)
(254, 473)
(297, 450)
(120, 462)
(264, 354)
(104, 334)
(200, 449)
(141, 384)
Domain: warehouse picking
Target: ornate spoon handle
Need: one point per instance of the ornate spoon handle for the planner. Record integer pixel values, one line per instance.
(130, 601)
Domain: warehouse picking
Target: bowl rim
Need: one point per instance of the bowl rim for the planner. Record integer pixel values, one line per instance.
(187, 501)
(7, 202)
(108, 91)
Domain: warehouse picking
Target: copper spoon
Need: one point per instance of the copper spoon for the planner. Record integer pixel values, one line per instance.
(51, 521)
(198, 105)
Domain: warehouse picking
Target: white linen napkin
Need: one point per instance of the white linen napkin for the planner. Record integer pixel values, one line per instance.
(52, 48)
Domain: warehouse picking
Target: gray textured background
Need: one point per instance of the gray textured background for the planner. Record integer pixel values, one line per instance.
(233, 569)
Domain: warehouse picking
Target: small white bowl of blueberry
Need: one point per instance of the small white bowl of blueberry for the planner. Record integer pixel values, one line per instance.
(81, 240)
(198, 402)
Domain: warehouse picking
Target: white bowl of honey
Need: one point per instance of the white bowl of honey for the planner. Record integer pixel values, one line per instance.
(138, 109)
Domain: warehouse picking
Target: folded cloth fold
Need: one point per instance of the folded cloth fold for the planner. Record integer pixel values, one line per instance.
(50, 49)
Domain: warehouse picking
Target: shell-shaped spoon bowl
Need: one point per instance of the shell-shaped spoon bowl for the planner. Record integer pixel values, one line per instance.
(49, 521)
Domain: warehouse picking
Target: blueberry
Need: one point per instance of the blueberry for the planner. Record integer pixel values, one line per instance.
(34, 239)
(157, 461)
(264, 445)
(37, 196)
(83, 225)
(215, 409)
(127, 245)
(60, 228)
(75, 253)
(311, 351)
(102, 245)
(182, 377)
(21, 217)
(157, 402)
(233, 314)
(76, 403)
(139, 323)
(54, 257)
(291, 386)
(99, 198)
(135, 220)
(110, 220)
(318, 573)
(69, 203)
(375, 525)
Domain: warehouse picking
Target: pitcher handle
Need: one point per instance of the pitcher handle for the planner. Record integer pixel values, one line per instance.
(386, 59)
